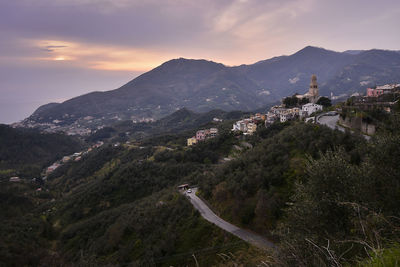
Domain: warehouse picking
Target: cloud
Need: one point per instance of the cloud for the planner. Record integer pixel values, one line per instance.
(63, 48)
(51, 48)
(97, 56)
(229, 31)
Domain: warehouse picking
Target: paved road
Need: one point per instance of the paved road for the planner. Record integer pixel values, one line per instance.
(331, 122)
(210, 216)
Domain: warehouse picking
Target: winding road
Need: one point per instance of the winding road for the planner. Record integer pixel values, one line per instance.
(330, 121)
(210, 216)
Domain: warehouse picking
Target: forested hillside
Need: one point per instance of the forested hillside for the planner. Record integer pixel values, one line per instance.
(253, 190)
(324, 197)
(182, 121)
(119, 205)
(26, 152)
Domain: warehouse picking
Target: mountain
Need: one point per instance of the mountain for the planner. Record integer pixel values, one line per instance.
(287, 75)
(202, 85)
(353, 52)
(197, 84)
(45, 107)
(369, 68)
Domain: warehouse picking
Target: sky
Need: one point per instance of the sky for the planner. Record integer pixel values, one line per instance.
(53, 50)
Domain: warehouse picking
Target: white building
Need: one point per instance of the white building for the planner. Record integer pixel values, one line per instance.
(310, 108)
(388, 86)
(235, 127)
(241, 125)
(15, 179)
(286, 116)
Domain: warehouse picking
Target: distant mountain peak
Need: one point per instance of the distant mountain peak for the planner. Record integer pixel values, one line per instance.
(185, 64)
(189, 61)
(313, 50)
(313, 47)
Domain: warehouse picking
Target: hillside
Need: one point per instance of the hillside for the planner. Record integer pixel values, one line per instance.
(286, 75)
(181, 122)
(25, 152)
(196, 84)
(367, 69)
(120, 206)
(298, 184)
(201, 85)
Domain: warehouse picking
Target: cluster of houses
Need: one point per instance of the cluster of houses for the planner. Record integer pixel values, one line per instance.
(77, 156)
(277, 113)
(282, 114)
(249, 125)
(382, 97)
(202, 135)
(382, 89)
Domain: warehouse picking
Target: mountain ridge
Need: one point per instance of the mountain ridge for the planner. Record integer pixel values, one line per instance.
(202, 85)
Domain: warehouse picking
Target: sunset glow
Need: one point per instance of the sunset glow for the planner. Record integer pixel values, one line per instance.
(101, 57)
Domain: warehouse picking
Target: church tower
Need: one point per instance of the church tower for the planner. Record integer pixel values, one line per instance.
(313, 91)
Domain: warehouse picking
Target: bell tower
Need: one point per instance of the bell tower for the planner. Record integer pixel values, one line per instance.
(313, 90)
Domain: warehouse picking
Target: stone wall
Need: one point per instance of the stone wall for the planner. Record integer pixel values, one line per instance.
(357, 123)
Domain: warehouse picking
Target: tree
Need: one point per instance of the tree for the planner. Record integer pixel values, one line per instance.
(324, 101)
(304, 101)
(291, 101)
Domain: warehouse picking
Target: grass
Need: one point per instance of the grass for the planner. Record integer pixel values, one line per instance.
(386, 257)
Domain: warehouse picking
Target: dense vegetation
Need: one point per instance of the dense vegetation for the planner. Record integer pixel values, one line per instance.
(325, 197)
(329, 198)
(253, 190)
(324, 101)
(294, 101)
(345, 210)
(25, 152)
(182, 122)
(120, 205)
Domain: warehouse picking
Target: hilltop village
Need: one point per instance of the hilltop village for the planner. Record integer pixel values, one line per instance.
(306, 106)
(295, 107)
